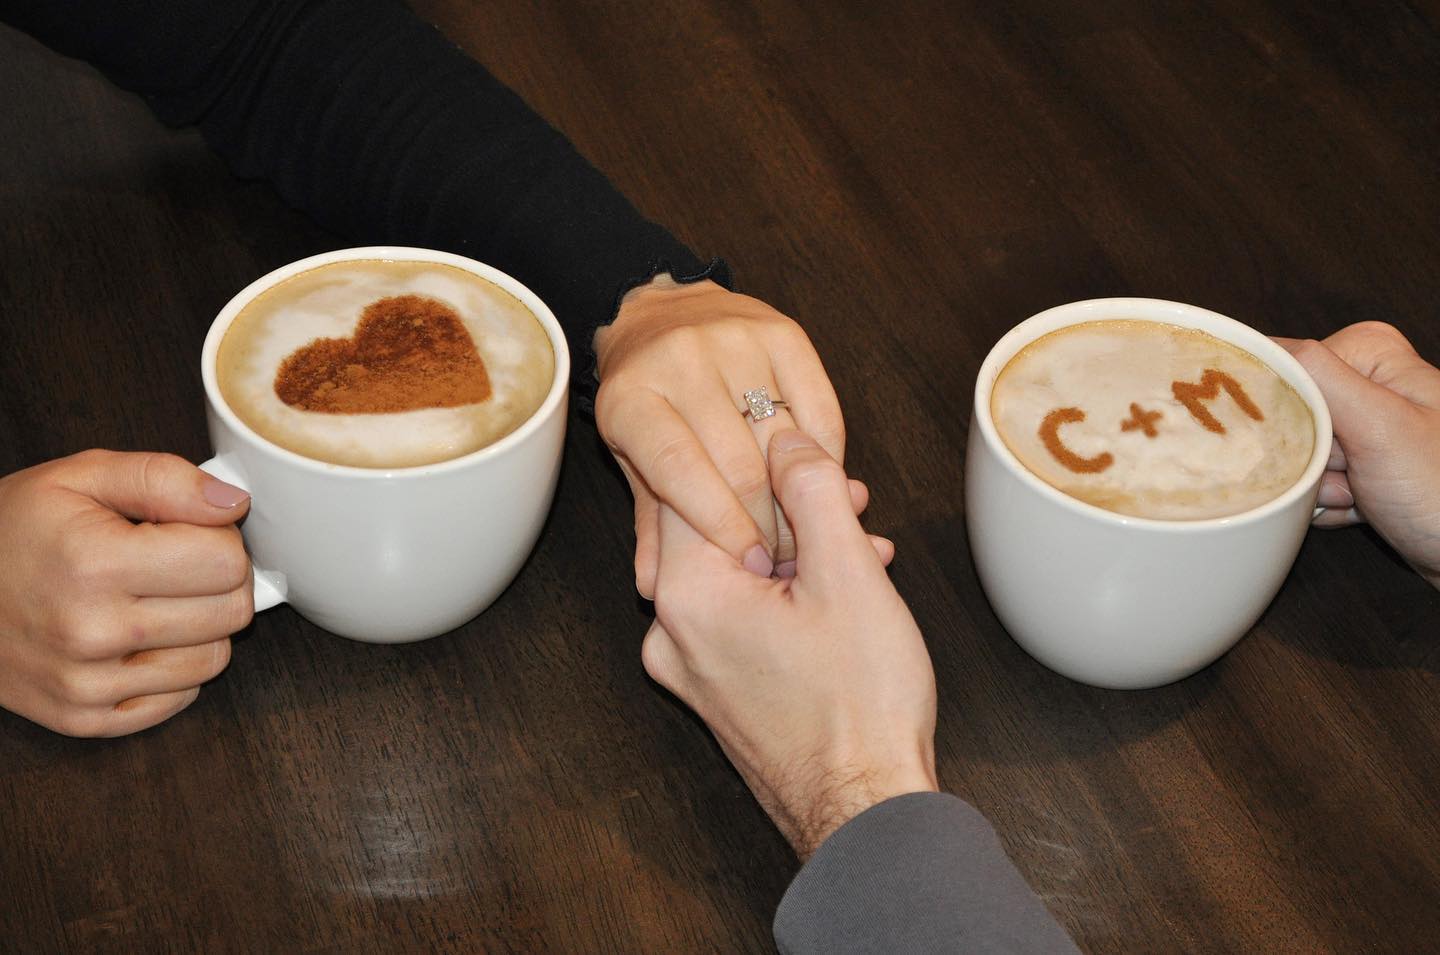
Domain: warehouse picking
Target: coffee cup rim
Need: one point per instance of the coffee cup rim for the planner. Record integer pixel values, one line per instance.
(554, 397)
(1166, 312)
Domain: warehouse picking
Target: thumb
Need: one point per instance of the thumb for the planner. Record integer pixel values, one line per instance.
(1383, 354)
(812, 488)
(155, 487)
(1361, 411)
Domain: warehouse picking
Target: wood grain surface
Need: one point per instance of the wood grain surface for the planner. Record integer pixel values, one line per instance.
(908, 180)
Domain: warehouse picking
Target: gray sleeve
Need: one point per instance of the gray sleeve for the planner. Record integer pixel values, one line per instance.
(923, 872)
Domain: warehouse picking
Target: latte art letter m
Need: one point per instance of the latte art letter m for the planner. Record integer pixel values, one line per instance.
(1190, 395)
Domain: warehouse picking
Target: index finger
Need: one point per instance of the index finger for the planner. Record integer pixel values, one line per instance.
(663, 448)
(176, 560)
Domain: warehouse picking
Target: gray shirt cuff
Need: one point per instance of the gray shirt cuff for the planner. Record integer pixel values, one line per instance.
(923, 872)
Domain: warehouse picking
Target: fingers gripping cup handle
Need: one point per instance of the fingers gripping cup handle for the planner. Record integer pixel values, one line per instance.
(269, 584)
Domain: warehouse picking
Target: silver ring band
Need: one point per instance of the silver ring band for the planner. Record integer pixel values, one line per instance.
(761, 405)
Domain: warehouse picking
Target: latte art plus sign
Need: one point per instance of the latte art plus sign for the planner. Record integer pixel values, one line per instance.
(1152, 420)
(1141, 419)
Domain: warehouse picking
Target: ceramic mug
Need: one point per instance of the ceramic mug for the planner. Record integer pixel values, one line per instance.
(1119, 601)
(390, 555)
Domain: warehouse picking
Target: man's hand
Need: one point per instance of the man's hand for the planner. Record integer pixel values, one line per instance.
(1384, 400)
(673, 368)
(109, 626)
(818, 687)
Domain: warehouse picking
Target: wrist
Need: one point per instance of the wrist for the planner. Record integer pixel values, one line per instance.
(645, 308)
(661, 288)
(845, 795)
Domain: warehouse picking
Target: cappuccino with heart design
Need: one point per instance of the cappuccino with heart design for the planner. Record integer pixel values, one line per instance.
(1152, 420)
(384, 364)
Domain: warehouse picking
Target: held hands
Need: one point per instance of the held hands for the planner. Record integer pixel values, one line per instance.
(1385, 469)
(818, 687)
(673, 367)
(109, 626)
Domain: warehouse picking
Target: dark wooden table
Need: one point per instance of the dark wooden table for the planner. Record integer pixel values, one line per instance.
(909, 180)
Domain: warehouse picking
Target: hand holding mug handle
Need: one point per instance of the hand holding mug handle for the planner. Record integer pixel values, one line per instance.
(1385, 403)
(270, 587)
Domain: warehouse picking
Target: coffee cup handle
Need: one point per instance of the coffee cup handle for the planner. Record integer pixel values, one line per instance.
(269, 584)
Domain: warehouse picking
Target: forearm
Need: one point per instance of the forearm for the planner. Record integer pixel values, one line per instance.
(377, 126)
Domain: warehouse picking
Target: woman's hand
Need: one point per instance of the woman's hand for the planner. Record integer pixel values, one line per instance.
(121, 579)
(674, 366)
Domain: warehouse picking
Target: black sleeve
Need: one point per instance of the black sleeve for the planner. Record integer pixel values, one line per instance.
(923, 873)
(382, 130)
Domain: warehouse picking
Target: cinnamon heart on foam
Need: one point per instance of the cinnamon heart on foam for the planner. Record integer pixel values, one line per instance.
(408, 353)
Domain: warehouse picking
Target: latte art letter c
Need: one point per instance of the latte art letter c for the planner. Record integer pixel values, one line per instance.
(1050, 435)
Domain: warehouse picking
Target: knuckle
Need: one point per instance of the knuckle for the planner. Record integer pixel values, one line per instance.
(621, 410)
(645, 575)
(1381, 333)
(232, 564)
(828, 428)
(747, 477)
(88, 564)
(778, 323)
(612, 399)
(153, 470)
(220, 659)
(82, 723)
(1309, 352)
(79, 689)
(94, 458)
(81, 637)
(653, 657)
(681, 339)
(736, 524)
(237, 610)
(684, 351)
(744, 307)
(813, 474)
(671, 455)
(730, 335)
(607, 397)
(149, 472)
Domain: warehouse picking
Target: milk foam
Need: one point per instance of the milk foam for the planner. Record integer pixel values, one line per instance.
(1185, 471)
(326, 302)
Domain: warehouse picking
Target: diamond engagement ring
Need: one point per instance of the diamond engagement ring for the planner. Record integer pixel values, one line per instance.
(761, 405)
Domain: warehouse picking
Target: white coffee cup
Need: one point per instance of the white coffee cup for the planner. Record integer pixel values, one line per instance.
(1118, 601)
(390, 555)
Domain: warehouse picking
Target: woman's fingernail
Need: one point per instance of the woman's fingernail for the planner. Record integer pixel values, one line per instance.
(220, 494)
(758, 562)
(785, 569)
(792, 439)
(1335, 495)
